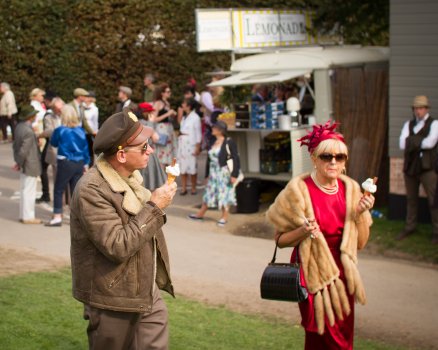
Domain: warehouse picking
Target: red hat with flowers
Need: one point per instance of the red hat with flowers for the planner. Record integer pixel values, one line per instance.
(146, 107)
(320, 133)
(191, 82)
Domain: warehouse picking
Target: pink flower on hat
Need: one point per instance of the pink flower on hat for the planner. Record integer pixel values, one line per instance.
(320, 133)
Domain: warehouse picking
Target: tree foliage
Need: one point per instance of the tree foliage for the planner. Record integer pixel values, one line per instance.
(100, 44)
(364, 22)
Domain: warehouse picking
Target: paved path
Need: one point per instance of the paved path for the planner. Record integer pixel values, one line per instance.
(211, 265)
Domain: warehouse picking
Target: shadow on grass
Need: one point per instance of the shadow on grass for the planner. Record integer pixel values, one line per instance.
(41, 314)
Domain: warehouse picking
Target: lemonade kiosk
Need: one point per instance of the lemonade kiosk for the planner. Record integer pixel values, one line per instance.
(281, 66)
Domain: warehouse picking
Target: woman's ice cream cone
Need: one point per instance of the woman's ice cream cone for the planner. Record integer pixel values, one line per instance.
(369, 186)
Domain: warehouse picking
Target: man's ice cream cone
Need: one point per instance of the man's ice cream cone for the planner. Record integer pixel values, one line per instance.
(170, 179)
(172, 172)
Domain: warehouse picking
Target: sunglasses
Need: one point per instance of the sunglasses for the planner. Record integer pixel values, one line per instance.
(142, 150)
(327, 157)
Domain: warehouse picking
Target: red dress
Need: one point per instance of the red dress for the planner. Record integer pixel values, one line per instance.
(330, 211)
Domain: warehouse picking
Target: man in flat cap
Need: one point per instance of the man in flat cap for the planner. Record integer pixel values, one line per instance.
(118, 250)
(78, 101)
(80, 96)
(124, 97)
(419, 140)
(28, 162)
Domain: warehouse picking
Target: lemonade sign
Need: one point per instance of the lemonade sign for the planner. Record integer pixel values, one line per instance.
(239, 29)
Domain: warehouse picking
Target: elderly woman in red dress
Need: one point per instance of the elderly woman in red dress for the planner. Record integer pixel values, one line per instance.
(326, 217)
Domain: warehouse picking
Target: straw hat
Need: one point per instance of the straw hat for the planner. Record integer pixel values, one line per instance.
(420, 101)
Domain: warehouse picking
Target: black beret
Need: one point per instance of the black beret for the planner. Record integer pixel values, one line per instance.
(118, 131)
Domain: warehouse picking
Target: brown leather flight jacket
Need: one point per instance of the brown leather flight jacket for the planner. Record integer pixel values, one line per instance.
(113, 241)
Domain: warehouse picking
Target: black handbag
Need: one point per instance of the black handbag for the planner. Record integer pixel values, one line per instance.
(281, 281)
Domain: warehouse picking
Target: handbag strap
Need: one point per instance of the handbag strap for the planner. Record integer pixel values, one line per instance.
(274, 257)
(228, 149)
(275, 251)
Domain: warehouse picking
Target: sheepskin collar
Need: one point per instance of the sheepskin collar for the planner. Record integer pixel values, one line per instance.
(134, 194)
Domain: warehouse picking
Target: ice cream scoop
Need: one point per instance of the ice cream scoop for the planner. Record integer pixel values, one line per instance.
(172, 171)
(369, 186)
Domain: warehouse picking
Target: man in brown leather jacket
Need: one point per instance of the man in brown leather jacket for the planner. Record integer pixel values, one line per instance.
(118, 250)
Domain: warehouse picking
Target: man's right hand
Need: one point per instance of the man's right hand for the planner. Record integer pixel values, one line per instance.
(163, 195)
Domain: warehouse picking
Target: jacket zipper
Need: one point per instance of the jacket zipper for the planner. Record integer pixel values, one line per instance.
(155, 265)
(137, 260)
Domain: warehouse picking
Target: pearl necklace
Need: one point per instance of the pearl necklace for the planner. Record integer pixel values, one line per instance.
(328, 190)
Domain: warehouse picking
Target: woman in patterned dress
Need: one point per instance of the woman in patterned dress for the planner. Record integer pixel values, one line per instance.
(220, 190)
(162, 117)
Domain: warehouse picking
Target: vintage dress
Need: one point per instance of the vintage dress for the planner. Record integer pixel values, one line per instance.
(330, 213)
(166, 153)
(191, 135)
(219, 192)
(320, 269)
(153, 175)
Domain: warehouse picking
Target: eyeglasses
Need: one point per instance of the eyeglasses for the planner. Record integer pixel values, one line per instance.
(327, 157)
(142, 150)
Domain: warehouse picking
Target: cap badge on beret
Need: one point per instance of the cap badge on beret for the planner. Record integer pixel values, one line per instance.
(133, 116)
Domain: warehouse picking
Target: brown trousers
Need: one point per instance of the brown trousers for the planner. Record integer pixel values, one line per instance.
(113, 330)
(429, 180)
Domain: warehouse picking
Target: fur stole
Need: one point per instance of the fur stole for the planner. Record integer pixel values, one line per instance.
(319, 267)
(134, 194)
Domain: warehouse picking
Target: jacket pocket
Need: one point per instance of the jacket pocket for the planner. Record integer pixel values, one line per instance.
(119, 275)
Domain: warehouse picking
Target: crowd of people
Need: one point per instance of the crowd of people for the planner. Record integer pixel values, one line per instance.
(63, 136)
(117, 215)
(50, 133)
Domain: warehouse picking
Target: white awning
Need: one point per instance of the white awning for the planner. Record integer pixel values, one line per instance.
(283, 65)
(311, 58)
(259, 77)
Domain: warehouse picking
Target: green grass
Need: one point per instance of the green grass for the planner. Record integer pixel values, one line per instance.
(418, 245)
(38, 312)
